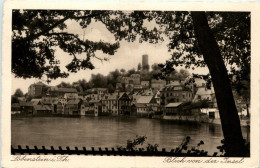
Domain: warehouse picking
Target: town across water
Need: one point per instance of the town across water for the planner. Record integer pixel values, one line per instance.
(110, 132)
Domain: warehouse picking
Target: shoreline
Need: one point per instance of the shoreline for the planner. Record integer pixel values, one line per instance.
(186, 119)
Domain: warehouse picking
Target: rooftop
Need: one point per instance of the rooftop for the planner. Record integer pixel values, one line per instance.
(205, 91)
(144, 99)
(42, 107)
(140, 105)
(64, 90)
(24, 103)
(39, 84)
(73, 102)
(173, 104)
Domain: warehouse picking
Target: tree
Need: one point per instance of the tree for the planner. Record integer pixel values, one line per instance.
(122, 71)
(64, 84)
(14, 99)
(98, 81)
(197, 39)
(184, 74)
(130, 72)
(83, 85)
(139, 67)
(110, 88)
(18, 93)
(178, 75)
(112, 77)
(221, 82)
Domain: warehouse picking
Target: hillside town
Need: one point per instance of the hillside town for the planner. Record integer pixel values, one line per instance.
(155, 98)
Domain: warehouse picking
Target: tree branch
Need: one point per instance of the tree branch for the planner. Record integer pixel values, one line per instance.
(35, 36)
(79, 40)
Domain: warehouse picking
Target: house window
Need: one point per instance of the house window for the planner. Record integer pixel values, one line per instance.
(212, 115)
(199, 96)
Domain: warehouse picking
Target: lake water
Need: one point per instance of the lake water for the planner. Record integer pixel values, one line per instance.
(112, 132)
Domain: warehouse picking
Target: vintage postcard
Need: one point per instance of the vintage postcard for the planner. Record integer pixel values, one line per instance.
(130, 84)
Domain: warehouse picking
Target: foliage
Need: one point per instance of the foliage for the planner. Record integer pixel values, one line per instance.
(222, 148)
(98, 80)
(18, 93)
(64, 84)
(151, 147)
(132, 145)
(231, 31)
(37, 33)
(14, 99)
(193, 150)
(137, 143)
(110, 88)
(139, 67)
(183, 145)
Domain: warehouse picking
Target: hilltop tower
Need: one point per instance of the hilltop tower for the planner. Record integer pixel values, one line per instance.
(145, 65)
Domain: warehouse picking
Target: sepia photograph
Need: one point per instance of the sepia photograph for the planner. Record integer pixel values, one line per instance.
(173, 84)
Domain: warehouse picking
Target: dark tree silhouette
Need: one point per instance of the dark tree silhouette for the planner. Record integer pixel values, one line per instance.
(18, 93)
(139, 67)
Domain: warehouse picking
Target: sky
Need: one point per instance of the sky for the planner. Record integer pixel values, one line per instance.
(127, 56)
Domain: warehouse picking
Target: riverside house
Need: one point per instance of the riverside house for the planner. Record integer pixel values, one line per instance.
(26, 108)
(116, 104)
(145, 84)
(60, 107)
(124, 104)
(38, 89)
(71, 96)
(204, 94)
(174, 94)
(157, 84)
(15, 108)
(95, 107)
(146, 105)
(109, 104)
(84, 108)
(73, 107)
(172, 109)
(42, 110)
